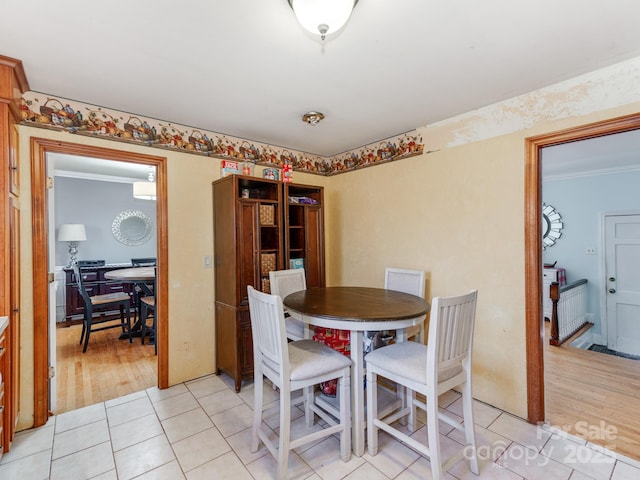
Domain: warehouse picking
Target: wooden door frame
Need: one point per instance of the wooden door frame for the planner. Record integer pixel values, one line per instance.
(533, 246)
(40, 147)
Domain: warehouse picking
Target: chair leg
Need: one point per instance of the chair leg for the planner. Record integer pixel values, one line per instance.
(433, 435)
(125, 321)
(469, 428)
(258, 387)
(372, 412)
(128, 313)
(88, 316)
(410, 398)
(144, 313)
(285, 432)
(308, 394)
(344, 389)
(84, 329)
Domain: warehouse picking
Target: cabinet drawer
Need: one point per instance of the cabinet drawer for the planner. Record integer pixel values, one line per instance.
(89, 276)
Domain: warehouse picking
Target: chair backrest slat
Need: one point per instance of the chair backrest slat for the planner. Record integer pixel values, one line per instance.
(451, 331)
(403, 280)
(83, 291)
(268, 330)
(285, 282)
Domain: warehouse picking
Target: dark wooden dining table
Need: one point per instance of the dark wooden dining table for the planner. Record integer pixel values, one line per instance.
(357, 309)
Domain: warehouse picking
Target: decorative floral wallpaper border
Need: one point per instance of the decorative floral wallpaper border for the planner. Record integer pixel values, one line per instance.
(83, 119)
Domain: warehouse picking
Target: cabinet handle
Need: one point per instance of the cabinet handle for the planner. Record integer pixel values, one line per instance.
(1, 350)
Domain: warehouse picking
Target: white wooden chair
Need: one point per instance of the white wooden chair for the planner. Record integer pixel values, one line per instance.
(283, 283)
(407, 281)
(293, 366)
(443, 364)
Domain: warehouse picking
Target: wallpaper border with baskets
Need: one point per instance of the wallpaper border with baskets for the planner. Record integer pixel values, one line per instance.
(83, 119)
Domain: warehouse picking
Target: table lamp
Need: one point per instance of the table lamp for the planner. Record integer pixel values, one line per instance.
(72, 233)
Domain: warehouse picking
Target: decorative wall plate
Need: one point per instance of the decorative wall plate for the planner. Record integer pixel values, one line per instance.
(132, 227)
(551, 226)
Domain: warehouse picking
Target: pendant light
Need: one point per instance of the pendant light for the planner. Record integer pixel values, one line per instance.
(146, 190)
(322, 17)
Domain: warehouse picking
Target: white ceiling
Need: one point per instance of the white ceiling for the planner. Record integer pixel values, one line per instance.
(246, 68)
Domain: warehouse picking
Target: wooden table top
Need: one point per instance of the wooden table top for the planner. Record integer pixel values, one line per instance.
(139, 274)
(362, 304)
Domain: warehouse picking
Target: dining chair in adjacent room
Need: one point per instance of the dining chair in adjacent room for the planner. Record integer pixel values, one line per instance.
(293, 366)
(283, 283)
(144, 262)
(95, 303)
(441, 365)
(407, 281)
(138, 290)
(148, 306)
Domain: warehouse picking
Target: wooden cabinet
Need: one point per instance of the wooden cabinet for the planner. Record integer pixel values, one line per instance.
(248, 244)
(304, 231)
(95, 284)
(13, 83)
(3, 376)
(259, 226)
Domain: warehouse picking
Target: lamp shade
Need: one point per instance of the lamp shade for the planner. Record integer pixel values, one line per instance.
(72, 232)
(144, 190)
(322, 17)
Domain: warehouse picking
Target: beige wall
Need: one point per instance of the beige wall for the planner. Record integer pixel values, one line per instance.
(457, 213)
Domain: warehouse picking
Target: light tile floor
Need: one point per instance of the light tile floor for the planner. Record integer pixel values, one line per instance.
(200, 430)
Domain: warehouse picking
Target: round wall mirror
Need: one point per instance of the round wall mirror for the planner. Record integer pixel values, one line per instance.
(551, 225)
(132, 227)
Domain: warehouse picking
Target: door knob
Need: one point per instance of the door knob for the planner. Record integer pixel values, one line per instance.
(612, 290)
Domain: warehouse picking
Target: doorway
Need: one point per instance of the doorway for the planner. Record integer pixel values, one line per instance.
(622, 264)
(41, 278)
(533, 247)
(93, 195)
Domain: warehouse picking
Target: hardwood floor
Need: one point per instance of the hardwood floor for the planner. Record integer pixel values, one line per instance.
(110, 368)
(593, 396)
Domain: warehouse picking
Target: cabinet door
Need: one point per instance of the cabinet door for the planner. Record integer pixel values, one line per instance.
(14, 173)
(12, 362)
(314, 247)
(249, 263)
(3, 402)
(246, 344)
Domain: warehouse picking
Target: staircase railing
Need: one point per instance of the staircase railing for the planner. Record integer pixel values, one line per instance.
(569, 310)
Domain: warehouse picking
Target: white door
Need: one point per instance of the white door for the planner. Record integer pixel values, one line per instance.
(622, 267)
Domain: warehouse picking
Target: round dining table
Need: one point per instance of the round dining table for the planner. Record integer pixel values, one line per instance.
(140, 276)
(357, 309)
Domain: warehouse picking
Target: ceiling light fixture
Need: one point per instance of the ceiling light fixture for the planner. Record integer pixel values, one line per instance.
(146, 190)
(312, 118)
(322, 17)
